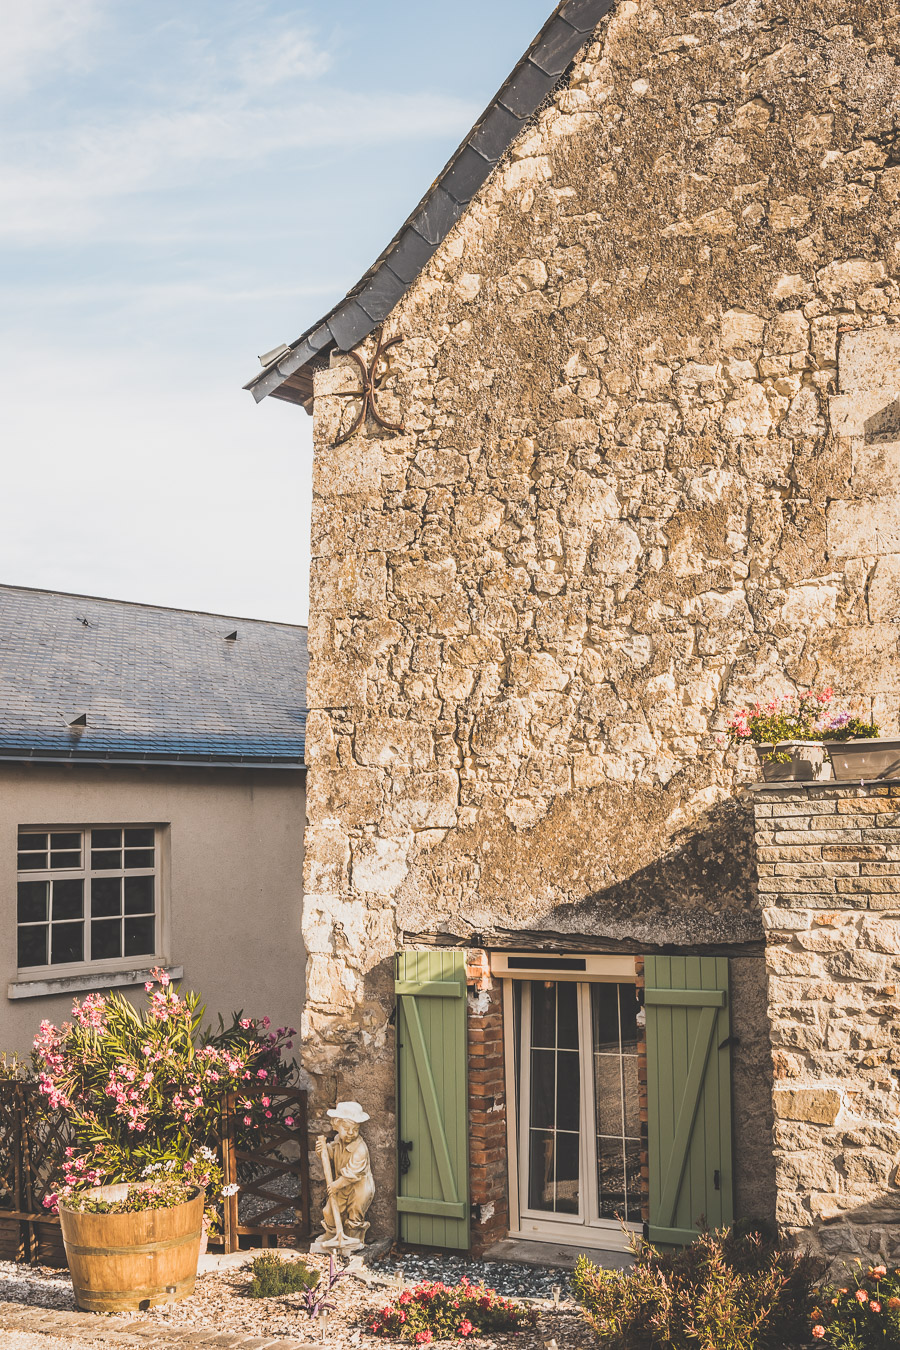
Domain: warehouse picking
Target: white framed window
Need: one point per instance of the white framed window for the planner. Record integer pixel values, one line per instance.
(573, 1102)
(87, 897)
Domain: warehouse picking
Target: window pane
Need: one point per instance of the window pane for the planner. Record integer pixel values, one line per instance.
(32, 862)
(106, 939)
(138, 895)
(611, 1167)
(33, 946)
(632, 1097)
(67, 841)
(567, 1168)
(30, 841)
(629, 1006)
(633, 1180)
(106, 838)
(106, 897)
(68, 899)
(67, 943)
(567, 1016)
(543, 1014)
(139, 857)
(33, 901)
(568, 1090)
(139, 838)
(541, 1170)
(543, 1088)
(139, 937)
(107, 859)
(605, 1017)
(608, 1089)
(65, 860)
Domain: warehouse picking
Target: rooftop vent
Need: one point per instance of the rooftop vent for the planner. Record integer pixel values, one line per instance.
(231, 637)
(79, 721)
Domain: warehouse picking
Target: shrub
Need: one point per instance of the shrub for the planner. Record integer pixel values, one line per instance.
(863, 1315)
(143, 1090)
(726, 1291)
(273, 1276)
(435, 1311)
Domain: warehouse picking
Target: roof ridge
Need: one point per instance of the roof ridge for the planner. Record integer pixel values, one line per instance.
(382, 287)
(144, 604)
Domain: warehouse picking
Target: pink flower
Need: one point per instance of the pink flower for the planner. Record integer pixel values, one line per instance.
(248, 1120)
(877, 1272)
(861, 1296)
(818, 1332)
(875, 1305)
(246, 1023)
(261, 1073)
(289, 1120)
(465, 1327)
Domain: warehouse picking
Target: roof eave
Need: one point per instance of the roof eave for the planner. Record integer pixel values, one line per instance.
(382, 287)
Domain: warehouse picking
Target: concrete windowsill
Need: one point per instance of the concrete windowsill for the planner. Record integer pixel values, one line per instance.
(86, 981)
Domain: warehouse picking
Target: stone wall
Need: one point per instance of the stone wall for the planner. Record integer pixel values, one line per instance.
(830, 883)
(646, 473)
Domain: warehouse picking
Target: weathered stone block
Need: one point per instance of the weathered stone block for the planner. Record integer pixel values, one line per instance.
(818, 1106)
(857, 528)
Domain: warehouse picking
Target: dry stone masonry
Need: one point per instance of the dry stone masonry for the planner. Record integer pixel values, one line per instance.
(649, 385)
(830, 889)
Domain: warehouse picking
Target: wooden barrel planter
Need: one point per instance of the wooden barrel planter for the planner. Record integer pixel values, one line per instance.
(122, 1261)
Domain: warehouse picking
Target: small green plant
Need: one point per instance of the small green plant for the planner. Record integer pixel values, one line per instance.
(436, 1311)
(862, 1315)
(726, 1291)
(273, 1276)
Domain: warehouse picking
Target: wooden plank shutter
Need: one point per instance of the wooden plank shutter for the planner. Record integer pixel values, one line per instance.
(688, 1095)
(432, 1099)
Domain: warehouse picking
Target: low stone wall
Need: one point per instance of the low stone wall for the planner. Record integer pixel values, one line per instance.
(829, 882)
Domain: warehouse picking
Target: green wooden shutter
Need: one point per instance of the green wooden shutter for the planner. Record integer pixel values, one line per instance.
(432, 1099)
(688, 1095)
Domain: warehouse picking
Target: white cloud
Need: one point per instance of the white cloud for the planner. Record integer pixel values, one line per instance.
(40, 37)
(67, 188)
(290, 54)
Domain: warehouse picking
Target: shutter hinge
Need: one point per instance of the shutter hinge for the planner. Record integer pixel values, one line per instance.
(717, 1180)
(405, 1148)
(729, 1040)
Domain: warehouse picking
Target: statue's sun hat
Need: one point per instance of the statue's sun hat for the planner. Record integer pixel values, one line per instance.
(349, 1111)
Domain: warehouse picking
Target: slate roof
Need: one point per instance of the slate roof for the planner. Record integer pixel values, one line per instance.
(156, 685)
(378, 292)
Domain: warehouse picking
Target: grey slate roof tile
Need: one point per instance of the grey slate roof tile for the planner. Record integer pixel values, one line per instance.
(155, 683)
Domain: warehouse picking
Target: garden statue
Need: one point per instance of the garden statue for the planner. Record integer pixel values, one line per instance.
(348, 1178)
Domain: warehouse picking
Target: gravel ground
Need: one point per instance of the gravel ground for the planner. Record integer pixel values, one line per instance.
(220, 1302)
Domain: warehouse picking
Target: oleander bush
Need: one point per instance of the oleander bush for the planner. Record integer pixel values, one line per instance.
(726, 1291)
(143, 1088)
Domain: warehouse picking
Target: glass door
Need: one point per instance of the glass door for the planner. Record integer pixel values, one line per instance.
(578, 1108)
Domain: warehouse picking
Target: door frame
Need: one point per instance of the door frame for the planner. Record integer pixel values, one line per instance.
(606, 1234)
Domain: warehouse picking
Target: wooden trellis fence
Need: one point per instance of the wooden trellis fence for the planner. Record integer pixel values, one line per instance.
(271, 1206)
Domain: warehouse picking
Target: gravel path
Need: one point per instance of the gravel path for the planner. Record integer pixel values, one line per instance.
(220, 1303)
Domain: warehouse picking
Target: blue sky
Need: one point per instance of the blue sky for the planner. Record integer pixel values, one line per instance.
(185, 184)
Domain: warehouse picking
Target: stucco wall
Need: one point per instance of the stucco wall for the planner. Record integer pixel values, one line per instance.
(631, 492)
(232, 878)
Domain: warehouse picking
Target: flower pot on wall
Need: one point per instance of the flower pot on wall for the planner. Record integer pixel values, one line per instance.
(122, 1261)
(854, 761)
(808, 761)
